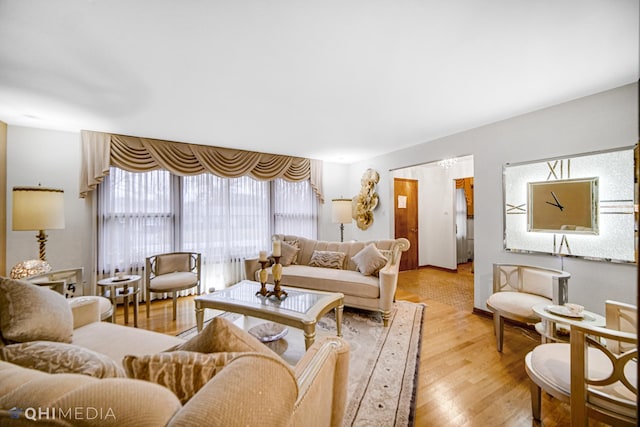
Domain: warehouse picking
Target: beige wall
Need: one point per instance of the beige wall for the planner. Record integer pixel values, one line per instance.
(3, 198)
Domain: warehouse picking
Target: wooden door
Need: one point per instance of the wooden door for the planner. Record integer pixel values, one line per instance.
(406, 219)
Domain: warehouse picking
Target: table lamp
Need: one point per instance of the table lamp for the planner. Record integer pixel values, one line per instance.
(341, 214)
(38, 209)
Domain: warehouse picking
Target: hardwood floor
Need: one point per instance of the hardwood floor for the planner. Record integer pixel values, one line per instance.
(463, 380)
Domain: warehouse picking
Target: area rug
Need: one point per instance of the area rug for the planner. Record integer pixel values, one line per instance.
(383, 368)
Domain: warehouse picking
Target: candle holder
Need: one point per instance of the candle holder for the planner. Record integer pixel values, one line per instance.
(263, 279)
(276, 271)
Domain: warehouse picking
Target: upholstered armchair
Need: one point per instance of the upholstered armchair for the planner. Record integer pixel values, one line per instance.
(596, 373)
(517, 288)
(171, 272)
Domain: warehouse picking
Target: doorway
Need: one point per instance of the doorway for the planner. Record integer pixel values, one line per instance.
(436, 231)
(405, 196)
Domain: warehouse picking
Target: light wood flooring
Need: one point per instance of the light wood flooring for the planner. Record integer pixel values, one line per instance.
(463, 380)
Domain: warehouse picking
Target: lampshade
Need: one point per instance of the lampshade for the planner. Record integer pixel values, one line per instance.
(341, 211)
(38, 208)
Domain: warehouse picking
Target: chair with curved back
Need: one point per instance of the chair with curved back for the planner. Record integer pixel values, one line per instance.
(517, 288)
(171, 272)
(596, 373)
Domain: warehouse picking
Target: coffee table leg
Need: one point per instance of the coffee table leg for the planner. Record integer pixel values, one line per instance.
(309, 335)
(339, 310)
(199, 316)
(135, 309)
(114, 303)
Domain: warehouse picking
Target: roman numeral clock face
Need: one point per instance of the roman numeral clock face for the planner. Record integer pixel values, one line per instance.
(580, 206)
(563, 206)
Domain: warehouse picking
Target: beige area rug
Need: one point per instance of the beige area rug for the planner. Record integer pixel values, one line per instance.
(383, 368)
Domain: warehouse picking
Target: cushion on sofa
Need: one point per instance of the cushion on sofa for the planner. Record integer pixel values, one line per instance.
(327, 259)
(30, 312)
(347, 282)
(116, 341)
(369, 260)
(56, 357)
(182, 372)
(288, 253)
(295, 244)
(220, 335)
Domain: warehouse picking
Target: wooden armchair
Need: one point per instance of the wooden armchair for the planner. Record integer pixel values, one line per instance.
(596, 373)
(517, 288)
(171, 272)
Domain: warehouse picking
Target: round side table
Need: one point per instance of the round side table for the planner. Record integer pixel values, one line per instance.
(125, 287)
(549, 330)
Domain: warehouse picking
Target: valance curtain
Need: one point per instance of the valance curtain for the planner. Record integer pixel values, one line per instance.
(134, 154)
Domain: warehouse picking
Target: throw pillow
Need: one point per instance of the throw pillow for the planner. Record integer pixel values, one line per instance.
(220, 335)
(295, 244)
(327, 259)
(369, 260)
(58, 358)
(288, 253)
(182, 372)
(30, 312)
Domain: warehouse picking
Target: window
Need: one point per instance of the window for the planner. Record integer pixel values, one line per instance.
(225, 219)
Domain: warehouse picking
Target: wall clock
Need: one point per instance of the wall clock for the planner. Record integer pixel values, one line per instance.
(582, 206)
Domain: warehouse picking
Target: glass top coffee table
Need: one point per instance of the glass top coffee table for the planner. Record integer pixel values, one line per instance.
(302, 308)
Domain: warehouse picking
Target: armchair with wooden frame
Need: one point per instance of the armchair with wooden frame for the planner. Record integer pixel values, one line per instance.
(596, 373)
(171, 272)
(517, 288)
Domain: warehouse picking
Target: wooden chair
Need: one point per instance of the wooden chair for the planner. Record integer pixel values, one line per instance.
(171, 272)
(517, 288)
(596, 373)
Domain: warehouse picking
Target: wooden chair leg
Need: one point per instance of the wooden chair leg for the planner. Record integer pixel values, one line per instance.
(536, 400)
(498, 328)
(148, 301)
(175, 304)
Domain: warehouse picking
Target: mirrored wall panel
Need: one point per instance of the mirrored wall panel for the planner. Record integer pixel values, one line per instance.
(580, 205)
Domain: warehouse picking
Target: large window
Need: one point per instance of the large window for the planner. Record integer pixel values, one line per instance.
(225, 219)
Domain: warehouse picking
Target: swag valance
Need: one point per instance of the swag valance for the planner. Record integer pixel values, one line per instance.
(102, 150)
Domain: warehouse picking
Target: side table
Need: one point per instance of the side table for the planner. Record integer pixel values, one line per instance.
(548, 327)
(128, 286)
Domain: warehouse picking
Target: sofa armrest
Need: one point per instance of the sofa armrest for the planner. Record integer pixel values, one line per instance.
(251, 266)
(322, 376)
(85, 311)
(253, 389)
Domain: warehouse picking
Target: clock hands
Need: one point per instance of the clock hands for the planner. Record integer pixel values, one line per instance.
(557, 203)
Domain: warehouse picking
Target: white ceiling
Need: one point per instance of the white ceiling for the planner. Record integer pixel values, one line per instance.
(338, 80)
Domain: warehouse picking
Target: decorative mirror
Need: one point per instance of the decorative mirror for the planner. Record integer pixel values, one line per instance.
(580, 205)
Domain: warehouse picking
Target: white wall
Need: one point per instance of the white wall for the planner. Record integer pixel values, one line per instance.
(602, 121)
(50, 158)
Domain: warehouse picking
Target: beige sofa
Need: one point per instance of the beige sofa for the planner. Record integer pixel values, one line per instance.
(369, 292)
(253, 388)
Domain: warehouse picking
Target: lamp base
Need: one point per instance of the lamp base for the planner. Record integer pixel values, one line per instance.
(42, 239)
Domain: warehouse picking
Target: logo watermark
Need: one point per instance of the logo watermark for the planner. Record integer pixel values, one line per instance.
(72, 414)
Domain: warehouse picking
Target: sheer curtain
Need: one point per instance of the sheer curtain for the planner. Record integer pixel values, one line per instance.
(295, 209)
(461, 226)
(226, 220)
(136, 219)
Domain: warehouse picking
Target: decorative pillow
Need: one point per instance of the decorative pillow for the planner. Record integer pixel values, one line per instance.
(289, 253)
(182, 372)
(30, 312)
(58, 358)
(369, 260)
(220, 335)
(295, 244)
(327, 259)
